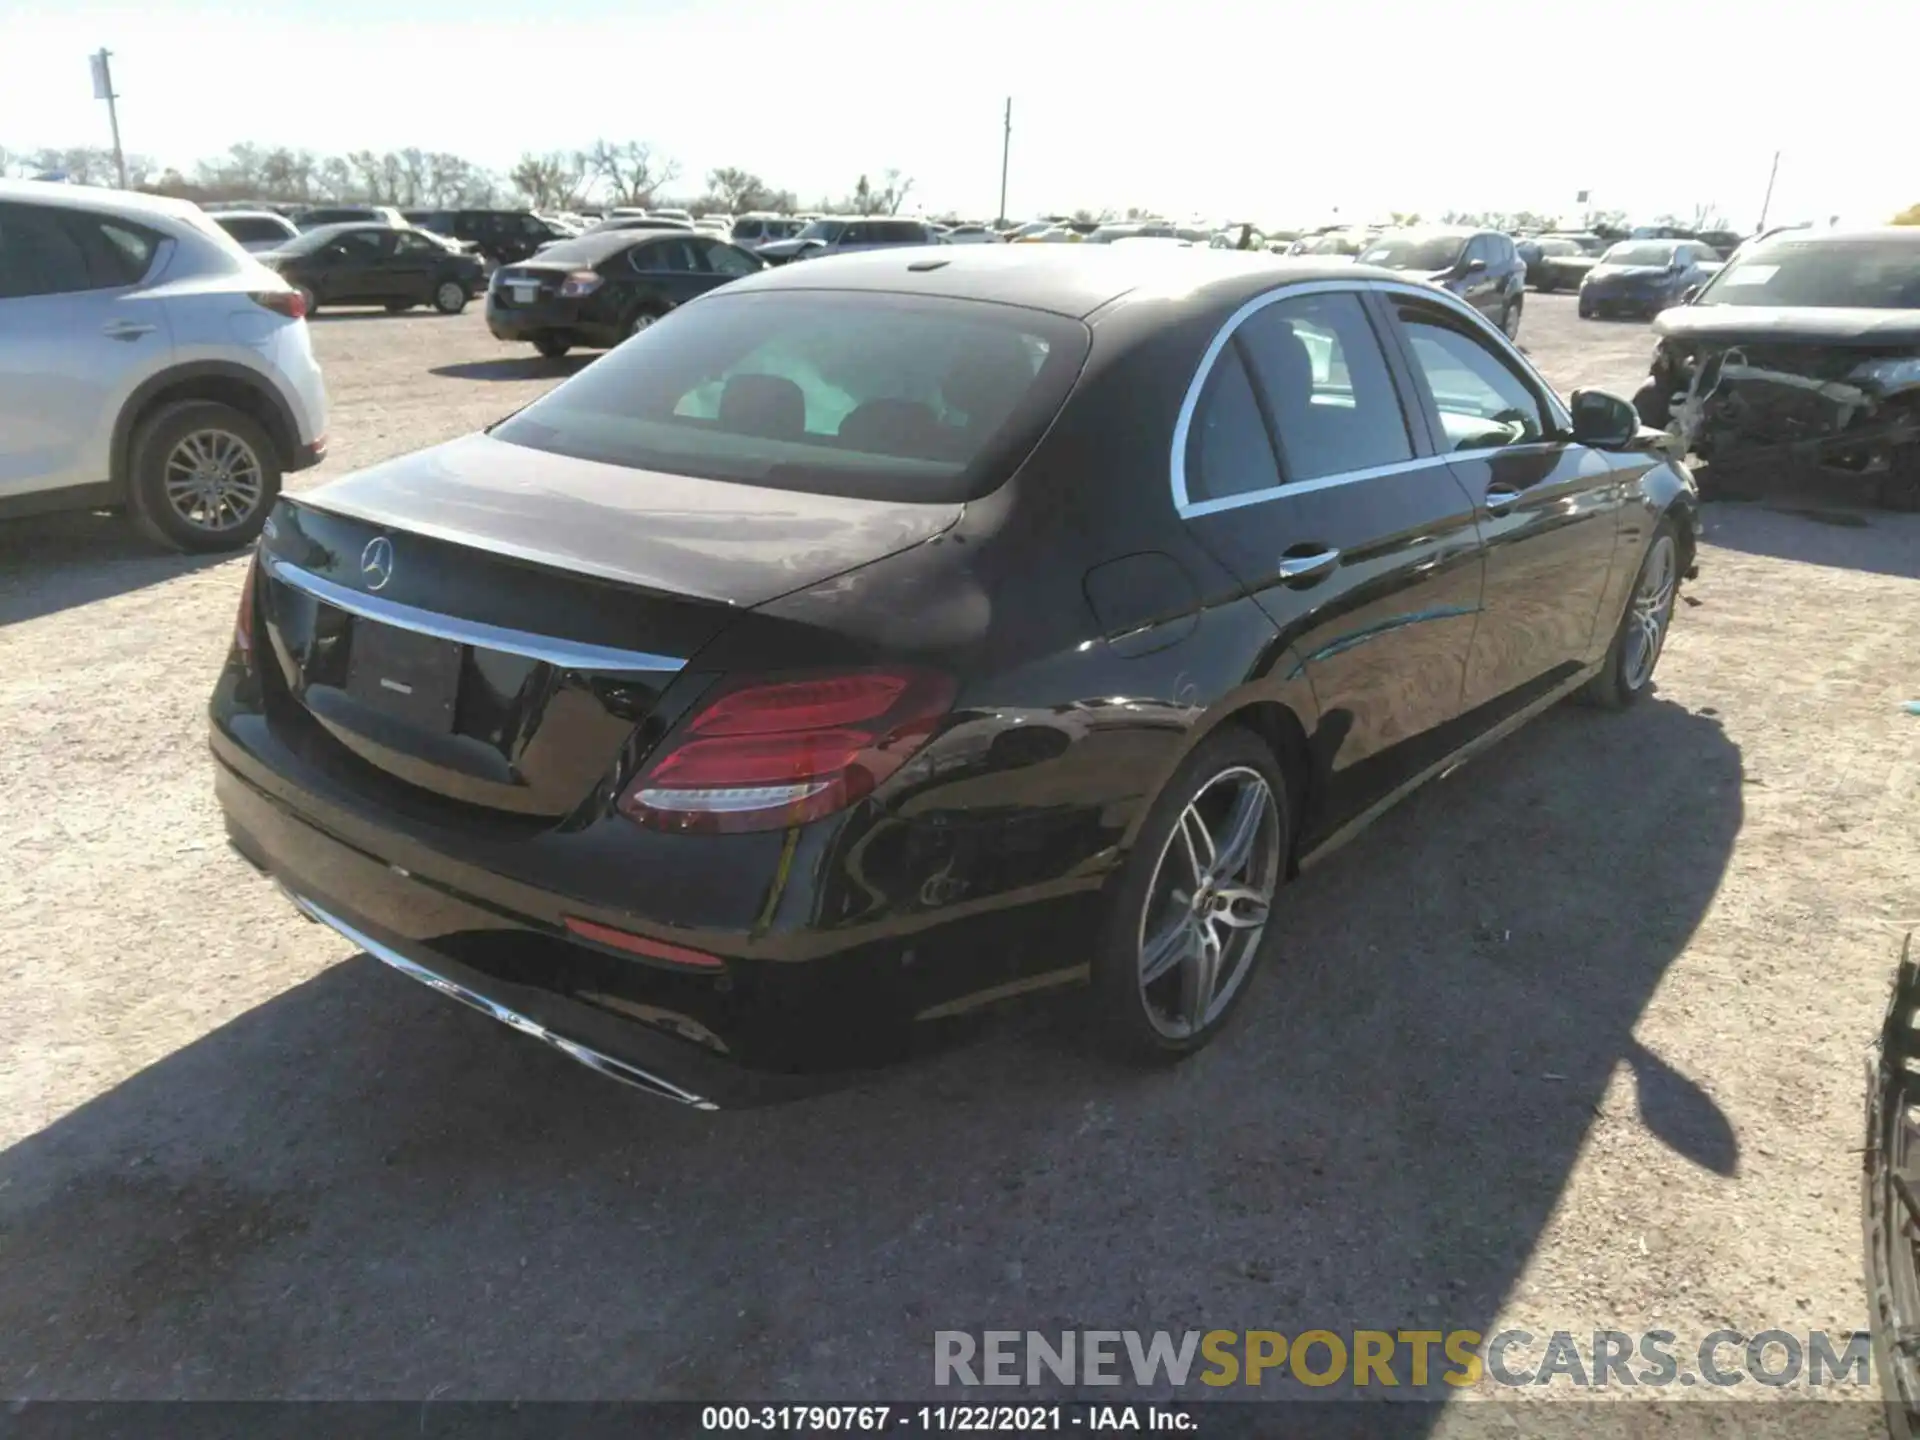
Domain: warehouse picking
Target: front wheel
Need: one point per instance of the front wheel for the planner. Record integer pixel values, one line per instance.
(450, 297)
(553, 346)
(1510, 320)
(1627, 673)
(1186, 924)
(1586, 311)
(641, 320)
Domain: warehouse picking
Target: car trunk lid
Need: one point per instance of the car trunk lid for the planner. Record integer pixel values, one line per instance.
(449, 629)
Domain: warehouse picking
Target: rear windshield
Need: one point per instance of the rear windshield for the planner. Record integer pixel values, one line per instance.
(832, 392)
(251, 227)
(1640, 252)
(1414, 252)
(1862, 274)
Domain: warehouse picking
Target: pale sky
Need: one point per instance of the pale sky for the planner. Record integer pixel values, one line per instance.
(1228, 108)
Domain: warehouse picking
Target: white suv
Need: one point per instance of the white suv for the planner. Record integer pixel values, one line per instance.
(147, 362)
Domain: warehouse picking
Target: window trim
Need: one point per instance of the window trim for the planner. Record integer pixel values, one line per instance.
(1187, 508)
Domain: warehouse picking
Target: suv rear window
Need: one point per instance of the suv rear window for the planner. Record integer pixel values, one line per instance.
(832, 392)
(250, 227)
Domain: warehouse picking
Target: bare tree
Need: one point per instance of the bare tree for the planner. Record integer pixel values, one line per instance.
(1707, 216)
(736, 191)
(551, 181)
(630, 171)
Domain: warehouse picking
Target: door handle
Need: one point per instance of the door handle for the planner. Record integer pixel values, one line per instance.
(125, 330)
(1499, 500)
(1306, 567)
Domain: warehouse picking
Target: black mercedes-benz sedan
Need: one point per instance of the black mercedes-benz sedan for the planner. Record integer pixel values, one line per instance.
(876, 639)
(376, 265)
(599, 288)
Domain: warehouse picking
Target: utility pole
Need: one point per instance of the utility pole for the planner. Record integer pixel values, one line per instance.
(103, 90)
(1006, 146)
(1767, 204)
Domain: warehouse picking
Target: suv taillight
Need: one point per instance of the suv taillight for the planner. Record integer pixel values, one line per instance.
(768, 754)
(290, 303)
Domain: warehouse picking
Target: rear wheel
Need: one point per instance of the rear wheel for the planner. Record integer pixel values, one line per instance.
(311, 300)
(552, 346)
(1586, 311)
(644, 318)
(450, 297)
(202, 477)
(1627, 673)
(1187, 924)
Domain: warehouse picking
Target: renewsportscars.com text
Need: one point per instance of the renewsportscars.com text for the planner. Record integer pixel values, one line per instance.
(1414, 1359)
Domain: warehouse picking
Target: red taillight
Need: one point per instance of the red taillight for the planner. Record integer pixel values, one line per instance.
(290, 303)
(763, 756)
(243, 622)
(640, 944)
(578, 283)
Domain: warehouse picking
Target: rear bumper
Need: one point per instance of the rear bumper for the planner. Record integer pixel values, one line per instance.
(532, 322)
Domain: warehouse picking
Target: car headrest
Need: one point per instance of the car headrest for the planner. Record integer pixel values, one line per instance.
(769, 405)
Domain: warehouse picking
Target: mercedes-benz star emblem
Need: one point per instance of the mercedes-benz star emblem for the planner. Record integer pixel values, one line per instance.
(376, 562)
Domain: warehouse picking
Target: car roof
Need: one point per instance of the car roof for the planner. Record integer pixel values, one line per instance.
(128, 204)
(1907, 234)
(1067, 280)
(249, 215)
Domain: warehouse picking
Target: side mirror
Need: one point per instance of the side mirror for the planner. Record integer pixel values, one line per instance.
(1602, 419)
(1473, 267)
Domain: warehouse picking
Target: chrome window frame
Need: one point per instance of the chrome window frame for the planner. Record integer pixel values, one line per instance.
(1188, 508)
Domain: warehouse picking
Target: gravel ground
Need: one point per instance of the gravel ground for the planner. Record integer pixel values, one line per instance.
(1596, 1064)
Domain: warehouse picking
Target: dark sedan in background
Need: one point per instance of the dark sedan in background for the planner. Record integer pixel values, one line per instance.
(1799, 363)
(599, 288)
(1482, 267)
(1644, 277)
(1560, 262)
(869, 642)
(376, 265)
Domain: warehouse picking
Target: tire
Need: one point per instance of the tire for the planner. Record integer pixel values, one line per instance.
(552, 346)
(1627, 672)
(1586, 311)
(215, 457)
(643, 319)
(1510, 319)
(449, 297)
(312, 300)
(399, 307)
(1545, 285)
(1153, 1020)
(1651, 404)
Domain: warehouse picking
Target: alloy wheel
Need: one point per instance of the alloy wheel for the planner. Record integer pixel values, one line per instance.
(1648, 614)
(642, 321)
(214, 480)
(450, 296)
(1208, 903)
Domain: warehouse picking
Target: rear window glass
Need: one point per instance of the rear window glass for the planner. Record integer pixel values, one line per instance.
(251, 227)
(834, 392)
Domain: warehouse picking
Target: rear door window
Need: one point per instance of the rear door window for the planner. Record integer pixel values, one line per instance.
(49, 251)
(844, 393)
(1229, 451)
(1324, 379)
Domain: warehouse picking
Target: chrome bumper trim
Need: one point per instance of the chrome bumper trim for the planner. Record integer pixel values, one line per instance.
(604, 1064)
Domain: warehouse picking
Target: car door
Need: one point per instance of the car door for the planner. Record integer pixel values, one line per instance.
(413, 266)
(1479, 287)
(857, 236)
(673, 269)
(1297, 467)
(724, 262)
(78, 331)
(1549, 509)
(347, 271)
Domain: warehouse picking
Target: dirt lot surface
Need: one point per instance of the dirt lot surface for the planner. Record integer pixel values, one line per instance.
(1572, 1040)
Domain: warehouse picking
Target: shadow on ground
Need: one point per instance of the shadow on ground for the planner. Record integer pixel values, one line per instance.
(50, 563)
(1804, 525)
(518, 367)
(362, 1190)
